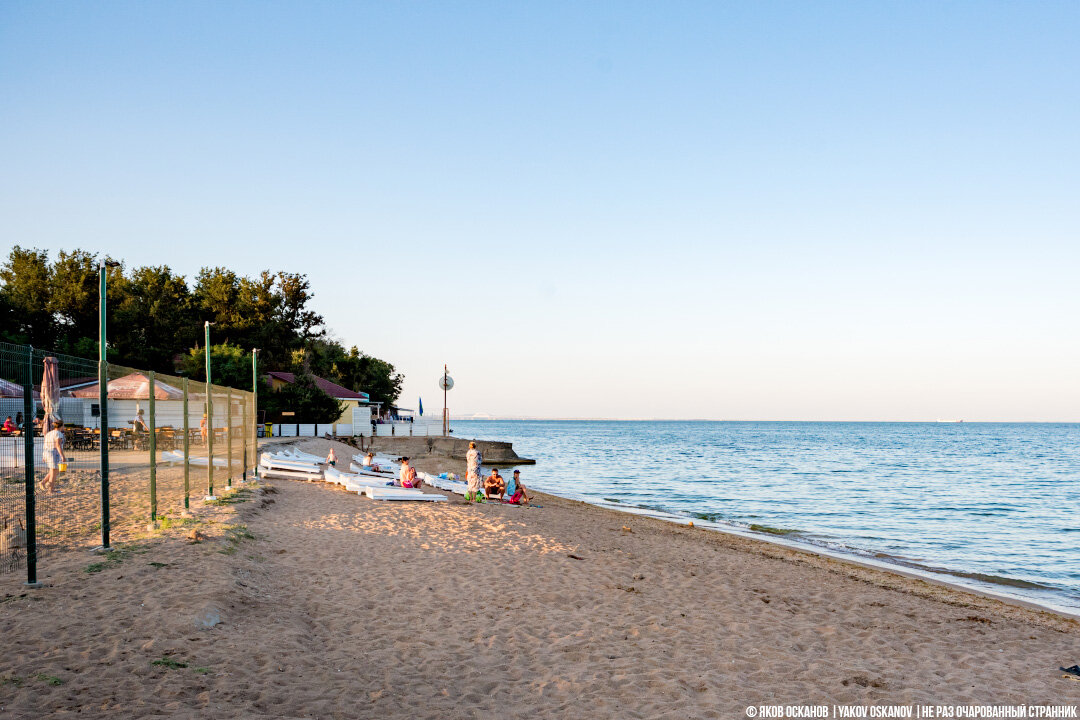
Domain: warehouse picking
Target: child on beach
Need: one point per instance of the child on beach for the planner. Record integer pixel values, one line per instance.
(331, 458)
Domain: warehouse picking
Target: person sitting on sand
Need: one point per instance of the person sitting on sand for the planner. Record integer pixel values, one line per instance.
(408, 475)
(494, 484)
(369, 462)
(53, 455)
(516, 490)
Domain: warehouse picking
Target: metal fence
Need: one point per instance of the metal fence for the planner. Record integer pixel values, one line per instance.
(157, 443)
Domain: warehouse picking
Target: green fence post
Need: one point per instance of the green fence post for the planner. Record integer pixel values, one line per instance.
(153, 457)
(209, 422)
(187, 450)
(103, 409)
(255, 412)
(229, 431)
(28, 458)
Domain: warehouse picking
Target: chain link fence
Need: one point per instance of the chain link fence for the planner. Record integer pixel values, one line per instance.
(112, 469)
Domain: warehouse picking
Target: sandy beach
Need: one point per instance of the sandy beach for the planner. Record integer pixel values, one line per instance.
(303, 600)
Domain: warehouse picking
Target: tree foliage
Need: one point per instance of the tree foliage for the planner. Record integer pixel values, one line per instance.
(156, 323)
(302, 397)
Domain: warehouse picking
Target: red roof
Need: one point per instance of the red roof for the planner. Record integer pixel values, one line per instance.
(12, 390)
(332, 389)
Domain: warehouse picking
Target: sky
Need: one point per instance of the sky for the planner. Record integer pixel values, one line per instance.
(721, 210)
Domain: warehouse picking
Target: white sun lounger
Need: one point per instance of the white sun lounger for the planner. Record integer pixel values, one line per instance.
(454, 486)
(294, 454)
(286, 461)
(359, 470)
(172, 456)
(400, 493)
(311, 476)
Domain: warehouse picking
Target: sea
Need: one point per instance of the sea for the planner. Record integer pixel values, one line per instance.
(990, 506)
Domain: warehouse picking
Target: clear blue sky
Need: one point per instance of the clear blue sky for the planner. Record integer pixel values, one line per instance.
(722, 210)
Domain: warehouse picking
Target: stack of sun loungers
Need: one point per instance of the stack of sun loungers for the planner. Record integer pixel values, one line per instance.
(296, 465)
(289, 466)
(376, 488)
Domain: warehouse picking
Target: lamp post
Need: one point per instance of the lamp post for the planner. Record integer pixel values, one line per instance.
(445, 384)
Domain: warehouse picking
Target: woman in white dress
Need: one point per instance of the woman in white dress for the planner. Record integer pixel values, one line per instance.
(472, 472)
(53, 455)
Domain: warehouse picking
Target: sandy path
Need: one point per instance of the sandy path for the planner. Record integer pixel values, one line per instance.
(343, 607)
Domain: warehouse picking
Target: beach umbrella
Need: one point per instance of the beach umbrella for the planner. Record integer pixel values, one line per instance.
(50, 392)
(421, 407)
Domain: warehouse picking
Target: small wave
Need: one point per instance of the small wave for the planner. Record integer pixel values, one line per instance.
(997, 579)
(771, 530)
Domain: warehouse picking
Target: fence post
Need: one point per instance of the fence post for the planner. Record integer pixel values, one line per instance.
(255, 412)
(103, 423)
(29, 412)
(187, 450)
(153, 456)
(228, 432)
(209, 431)
(244, 439)
(103, 406)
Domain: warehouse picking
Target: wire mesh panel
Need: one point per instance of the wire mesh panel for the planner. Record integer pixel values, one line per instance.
(14, 366)
(170, 421)
(166, 438)
(67, 466)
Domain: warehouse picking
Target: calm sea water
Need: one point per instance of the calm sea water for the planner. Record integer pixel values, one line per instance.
(991, 505)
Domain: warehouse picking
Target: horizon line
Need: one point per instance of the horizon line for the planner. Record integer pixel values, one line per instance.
(486, 418)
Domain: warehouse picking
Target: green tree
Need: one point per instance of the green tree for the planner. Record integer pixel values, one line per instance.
(230, 365)
(152, 318)
(73, 301)
(354, 370)
(27, 286)
(303, 398)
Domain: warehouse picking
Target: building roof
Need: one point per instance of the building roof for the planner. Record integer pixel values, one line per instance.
(135, 386)
(332, 389)
(13, 390)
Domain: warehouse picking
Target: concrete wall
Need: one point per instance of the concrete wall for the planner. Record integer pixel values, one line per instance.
(495, 453)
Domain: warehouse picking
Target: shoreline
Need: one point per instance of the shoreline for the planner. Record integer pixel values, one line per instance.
(308, 600)
(943, 577)
(953, 579)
